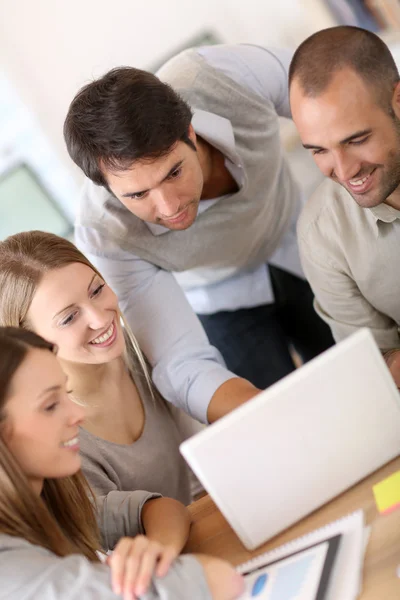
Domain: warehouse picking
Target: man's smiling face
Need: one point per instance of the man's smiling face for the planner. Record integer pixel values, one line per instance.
(353, 139)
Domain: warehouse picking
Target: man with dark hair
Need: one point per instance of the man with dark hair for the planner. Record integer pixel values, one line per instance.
(345, 100)
(195, 193)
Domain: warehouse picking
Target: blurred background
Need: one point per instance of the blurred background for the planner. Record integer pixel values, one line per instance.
(50, 48)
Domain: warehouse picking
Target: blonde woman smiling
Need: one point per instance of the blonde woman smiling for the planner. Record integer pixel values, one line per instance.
(49, 541)
(130, 438)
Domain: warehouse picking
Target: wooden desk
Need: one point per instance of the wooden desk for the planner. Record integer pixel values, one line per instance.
(211, 534)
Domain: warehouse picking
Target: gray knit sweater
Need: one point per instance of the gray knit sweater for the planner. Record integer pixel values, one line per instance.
(241, 230)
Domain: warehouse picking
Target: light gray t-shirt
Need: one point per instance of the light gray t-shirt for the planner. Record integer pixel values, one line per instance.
(236, 95)
(119, 473)
(29, 572)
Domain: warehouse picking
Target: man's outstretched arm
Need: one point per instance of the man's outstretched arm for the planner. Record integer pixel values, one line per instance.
(187, 370)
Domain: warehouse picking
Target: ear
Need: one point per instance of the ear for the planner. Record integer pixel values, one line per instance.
(192, 134)
(396, 100)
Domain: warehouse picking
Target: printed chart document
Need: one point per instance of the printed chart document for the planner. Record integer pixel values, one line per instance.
(304, 575)
(325, 564)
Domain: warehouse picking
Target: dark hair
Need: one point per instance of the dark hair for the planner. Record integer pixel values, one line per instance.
(125, 116)
(326, 52)
(14, 345)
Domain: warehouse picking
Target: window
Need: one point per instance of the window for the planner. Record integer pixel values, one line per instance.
(25, 204)
(36, 190)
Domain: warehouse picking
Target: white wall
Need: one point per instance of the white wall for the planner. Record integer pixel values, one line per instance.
(49, 48)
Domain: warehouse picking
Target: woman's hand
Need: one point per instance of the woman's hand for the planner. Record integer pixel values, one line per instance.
(134, 562)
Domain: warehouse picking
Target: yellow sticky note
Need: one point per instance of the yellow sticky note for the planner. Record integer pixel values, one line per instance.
(387, 493)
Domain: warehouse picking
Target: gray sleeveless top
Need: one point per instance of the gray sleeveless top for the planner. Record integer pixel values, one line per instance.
(124, 476)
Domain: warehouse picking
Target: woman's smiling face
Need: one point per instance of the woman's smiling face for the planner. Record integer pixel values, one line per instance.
(40, 424)
(78, 312)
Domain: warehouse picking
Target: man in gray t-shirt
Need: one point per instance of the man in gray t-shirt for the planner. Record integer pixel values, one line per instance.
(190, 190)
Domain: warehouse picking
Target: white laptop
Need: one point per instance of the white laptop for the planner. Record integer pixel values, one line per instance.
(301, 442)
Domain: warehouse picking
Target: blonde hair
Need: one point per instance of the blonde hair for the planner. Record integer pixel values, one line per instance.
(24, 259)
(62, 519)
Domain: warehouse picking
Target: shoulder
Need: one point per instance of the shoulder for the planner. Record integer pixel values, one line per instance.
(184, 67)
(15, 552)
(216, 82)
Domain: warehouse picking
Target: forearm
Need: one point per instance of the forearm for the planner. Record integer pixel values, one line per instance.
(228, 396)
(166, 521)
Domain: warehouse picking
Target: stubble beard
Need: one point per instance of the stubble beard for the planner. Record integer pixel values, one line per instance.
(390, 178)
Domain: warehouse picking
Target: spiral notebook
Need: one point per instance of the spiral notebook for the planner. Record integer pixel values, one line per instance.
(346, 576)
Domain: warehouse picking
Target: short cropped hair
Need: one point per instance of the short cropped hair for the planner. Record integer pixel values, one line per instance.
(326, 52)
(125, 116)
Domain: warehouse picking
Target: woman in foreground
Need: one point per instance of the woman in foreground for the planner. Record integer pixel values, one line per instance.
(49, 541)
